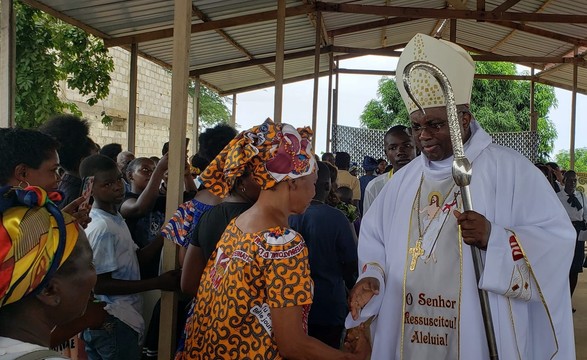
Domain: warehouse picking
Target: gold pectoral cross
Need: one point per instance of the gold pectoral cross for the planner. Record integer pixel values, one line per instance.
(416, 252)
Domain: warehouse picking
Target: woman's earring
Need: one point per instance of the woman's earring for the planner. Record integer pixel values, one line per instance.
(23, 184)
(243, 189)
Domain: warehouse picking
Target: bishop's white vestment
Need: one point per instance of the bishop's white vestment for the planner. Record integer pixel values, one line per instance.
(526, 263)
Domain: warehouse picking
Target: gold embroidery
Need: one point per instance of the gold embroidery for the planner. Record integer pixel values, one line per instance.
(539, 293)
(416, 252)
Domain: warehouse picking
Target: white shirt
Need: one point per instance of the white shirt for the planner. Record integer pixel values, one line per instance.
(115, 252)
(11, 349)
(373, 189)
(574, 214)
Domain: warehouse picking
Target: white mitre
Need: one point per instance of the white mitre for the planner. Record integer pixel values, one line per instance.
(455, 63)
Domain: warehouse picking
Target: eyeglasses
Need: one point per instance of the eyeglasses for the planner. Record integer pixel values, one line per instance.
(432, 127)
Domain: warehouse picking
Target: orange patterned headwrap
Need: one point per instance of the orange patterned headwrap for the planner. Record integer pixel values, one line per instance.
(35, 240)
(271, 152)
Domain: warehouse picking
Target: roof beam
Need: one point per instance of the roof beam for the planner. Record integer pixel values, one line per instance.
(504, 6)
(549, 69)
(561, 85)
(312, 18)
(529, 59)
(368, 26)
(257, 61)
(541, 32)
(208, 26)
(502, 77)
(484, 52)
(421, 13)
(511, 34)
(482, 57)
(477, 76)
(205, 18)
(365, 72)
(361, 51)
(357, 53)
(271, 83)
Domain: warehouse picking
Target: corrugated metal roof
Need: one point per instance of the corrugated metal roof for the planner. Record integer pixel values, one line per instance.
(564, 72)
(121, 18)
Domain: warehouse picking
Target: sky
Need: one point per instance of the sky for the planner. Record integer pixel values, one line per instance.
(356, 90)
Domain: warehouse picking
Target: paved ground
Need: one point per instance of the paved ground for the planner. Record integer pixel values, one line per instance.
(580, 317)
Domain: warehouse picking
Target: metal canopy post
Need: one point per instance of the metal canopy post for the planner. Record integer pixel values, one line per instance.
(233, 115)
(131, 131)
(335, 108)
(316, 76)
(573, 111)
(453, 30)
(7, 63)
(329, 114)
(177, 130)
(533, 114)
(196, 116)
(279, 61)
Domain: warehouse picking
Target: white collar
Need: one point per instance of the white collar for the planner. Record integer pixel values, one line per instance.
(439, 170)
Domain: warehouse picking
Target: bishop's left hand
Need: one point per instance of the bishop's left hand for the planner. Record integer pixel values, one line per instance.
(475, 228)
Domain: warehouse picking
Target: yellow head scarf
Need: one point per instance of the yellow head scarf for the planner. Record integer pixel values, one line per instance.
(271, 152)
(35, 240)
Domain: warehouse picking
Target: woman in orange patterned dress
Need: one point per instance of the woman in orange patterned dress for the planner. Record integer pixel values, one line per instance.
(256, 291)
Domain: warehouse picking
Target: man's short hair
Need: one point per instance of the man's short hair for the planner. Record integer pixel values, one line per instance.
(94, 164)
(111, 150)
(165, 148)
(398, 129)
(342, 160)
(568, 173)
(345, 194)
(327, 155)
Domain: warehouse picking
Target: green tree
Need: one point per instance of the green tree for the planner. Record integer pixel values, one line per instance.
(387, 110)
(49, 51)
(213, 109)
(563, 159)
(504, 105)
(498, 105)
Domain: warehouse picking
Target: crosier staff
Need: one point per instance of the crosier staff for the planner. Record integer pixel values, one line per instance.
(461, 172)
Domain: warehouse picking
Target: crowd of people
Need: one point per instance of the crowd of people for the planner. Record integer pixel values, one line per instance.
(284, 255)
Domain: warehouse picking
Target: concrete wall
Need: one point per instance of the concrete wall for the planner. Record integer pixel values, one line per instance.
(153, 106)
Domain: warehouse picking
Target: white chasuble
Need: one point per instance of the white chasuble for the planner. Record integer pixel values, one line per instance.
(432, 275)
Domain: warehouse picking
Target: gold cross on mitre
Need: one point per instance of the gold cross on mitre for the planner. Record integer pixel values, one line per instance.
(416, 252)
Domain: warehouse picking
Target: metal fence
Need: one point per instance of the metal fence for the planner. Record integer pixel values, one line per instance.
(359, 142)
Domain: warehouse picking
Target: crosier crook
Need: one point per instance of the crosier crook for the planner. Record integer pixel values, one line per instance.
(461, 172)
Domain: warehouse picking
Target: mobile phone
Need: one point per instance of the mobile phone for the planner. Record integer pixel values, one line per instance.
(87, 187)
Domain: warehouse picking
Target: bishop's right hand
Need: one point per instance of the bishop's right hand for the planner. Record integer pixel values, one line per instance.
(361, 294)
